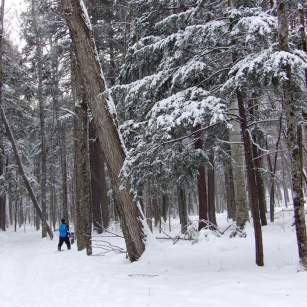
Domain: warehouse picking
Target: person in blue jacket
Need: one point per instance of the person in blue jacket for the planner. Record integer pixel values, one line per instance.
(64, 235)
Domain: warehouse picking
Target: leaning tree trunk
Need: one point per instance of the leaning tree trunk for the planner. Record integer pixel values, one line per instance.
(94, 86)
(11, 137)
(251, 178)
(22, 172)
(293, 137)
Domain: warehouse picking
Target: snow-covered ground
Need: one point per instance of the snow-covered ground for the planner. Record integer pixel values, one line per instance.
(215, 272)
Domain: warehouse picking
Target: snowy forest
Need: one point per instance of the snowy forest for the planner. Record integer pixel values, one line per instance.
(168, 138)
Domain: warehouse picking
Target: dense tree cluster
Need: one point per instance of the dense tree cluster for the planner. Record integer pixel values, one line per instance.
(199, 106)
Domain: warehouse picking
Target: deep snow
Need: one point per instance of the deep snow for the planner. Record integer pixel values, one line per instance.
(215, 272)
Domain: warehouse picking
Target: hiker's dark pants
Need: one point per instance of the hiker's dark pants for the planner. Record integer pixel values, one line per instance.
(62, 240)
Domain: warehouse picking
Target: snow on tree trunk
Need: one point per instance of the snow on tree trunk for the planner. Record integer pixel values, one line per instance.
(94, 86)
(293, 137)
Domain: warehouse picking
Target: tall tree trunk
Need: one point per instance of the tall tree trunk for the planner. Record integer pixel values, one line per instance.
(63, 156)
(284, 180)
(98, 183)
(273, 169)
(2, 163)
(165, 205)
(148, 206)
(82, 169)
(202, 188)
(156, 210)
(10, 202)
(293, 137)
(2, 182)
(82, 164)
(43, 155)
(182, 207)
(251, 179)
(239, 174)
(258, 161)
(240, 188)
(52, 191)
(211, 191)
(229, 178)
(94, 86)
(302, 29)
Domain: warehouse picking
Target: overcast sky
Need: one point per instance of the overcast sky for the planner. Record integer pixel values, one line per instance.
(13, 9)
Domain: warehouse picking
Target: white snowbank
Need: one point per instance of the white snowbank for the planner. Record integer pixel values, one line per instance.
(216, 272)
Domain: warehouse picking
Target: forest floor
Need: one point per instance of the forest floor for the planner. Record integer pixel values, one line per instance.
(214, 272)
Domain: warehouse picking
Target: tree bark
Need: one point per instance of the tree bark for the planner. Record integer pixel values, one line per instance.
(82, 171)
(2, 193)
(98, 182)
(211, 192)
(258, 161)
(94, 86)
(229, 179)
(251, 179)
(63, 156)
(293, 137)
(202, 189)
(82, 164)
(242, 215)
(148, 205)
(165, 206)
(43, 155)
(182, 207)
(2, 181)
